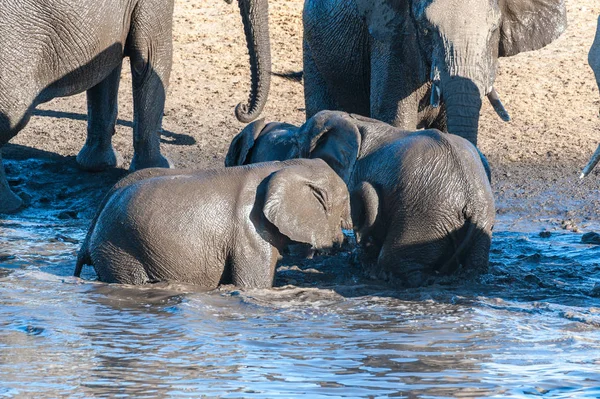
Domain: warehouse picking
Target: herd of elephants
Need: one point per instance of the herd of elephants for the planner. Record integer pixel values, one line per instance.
(393, 91)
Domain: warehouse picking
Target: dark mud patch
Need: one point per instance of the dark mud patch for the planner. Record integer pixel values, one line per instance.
(524, 267)
(532, 197)
(52, 186)
(537, 251)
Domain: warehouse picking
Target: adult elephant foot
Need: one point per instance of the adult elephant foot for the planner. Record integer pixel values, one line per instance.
(92, 158)
(138, 163)
(9, 201)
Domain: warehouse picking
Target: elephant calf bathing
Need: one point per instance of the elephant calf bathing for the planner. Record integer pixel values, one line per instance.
(220, 226)
(421, 201)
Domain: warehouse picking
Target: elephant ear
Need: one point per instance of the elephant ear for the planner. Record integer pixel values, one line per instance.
(242, 143)
(299, 207)
(334, 138)
(364, 205)
(530, 24)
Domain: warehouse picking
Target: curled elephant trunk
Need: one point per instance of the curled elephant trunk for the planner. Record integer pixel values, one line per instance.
(591, 164)
(255, 16)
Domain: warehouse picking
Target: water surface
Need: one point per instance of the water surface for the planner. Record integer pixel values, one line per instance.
(531, 327)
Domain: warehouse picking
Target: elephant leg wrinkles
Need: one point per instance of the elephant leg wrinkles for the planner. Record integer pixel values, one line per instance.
(151, 59)
(317, 96)
(394, 86)
(102, 100)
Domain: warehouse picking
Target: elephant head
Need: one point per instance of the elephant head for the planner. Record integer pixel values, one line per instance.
(308, 208)
(262, 142)
(255, 16)
(461, 40)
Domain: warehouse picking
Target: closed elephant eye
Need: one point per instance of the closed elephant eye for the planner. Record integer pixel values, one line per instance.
(321, 196)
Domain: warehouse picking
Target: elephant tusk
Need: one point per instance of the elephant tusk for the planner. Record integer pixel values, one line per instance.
(590, 165)
(436, 95)
(497, 104)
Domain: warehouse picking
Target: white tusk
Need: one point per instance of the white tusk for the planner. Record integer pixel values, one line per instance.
(436, 95)
(590, 165)
(497, 104)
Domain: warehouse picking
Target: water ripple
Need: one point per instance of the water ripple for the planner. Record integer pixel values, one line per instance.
(528, 328)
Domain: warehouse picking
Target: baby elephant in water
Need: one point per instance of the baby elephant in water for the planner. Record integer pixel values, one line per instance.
(220, 226)
(421, 201)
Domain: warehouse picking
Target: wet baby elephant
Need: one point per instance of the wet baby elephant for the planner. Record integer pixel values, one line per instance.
(262, 142)
(219, 226)
(421, 201)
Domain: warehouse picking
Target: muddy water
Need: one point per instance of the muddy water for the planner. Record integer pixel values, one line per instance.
(529, 328)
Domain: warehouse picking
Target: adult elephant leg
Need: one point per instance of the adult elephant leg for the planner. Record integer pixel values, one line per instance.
(98, 153)
(317, 96)
(150, 48)
(336, 58)
(149, 87)
(9, 201)
(12, 120)
(394, 85)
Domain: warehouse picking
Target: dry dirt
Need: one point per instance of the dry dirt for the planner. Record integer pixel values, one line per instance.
(536, 158)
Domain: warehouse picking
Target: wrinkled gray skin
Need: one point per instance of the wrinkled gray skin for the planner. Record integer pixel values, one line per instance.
(56, 48)
(594, 55)
(255, 17)
(385, 58)
(594, 61)
(220, 226)
(260, 142)
(421, 201)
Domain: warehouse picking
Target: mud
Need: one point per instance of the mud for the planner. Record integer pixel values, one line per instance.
(527, 328)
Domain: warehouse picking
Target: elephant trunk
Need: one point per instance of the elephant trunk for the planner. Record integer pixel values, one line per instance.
(591, 164)
(255, 16)
(463, 103)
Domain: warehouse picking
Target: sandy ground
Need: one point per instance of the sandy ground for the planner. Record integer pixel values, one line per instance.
(536, 158)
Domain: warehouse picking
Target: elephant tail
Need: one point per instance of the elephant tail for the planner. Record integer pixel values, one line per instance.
(453, 263)
(290, 75)
(83, 258)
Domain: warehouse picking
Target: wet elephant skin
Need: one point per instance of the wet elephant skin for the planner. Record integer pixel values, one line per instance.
(219, 226)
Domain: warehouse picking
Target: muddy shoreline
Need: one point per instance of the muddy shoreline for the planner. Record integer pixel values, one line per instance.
(536, 230)
(529, 327)
(536, 158)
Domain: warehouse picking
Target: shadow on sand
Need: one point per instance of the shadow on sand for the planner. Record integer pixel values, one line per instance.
(167, 137)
